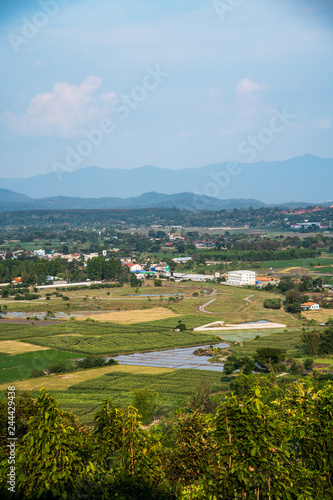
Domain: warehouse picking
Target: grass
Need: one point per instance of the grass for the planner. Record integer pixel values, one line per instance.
(19, 366)
(321, 316)
(290, 340)
(63, 381)
(131, 317)
(296, 263)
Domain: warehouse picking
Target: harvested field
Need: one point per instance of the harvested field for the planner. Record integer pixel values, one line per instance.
(321, 316)
(15, 347)
(131, 317)
(66, 380)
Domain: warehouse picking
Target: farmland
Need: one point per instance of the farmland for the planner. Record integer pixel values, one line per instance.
(82, 392)
(124, 320)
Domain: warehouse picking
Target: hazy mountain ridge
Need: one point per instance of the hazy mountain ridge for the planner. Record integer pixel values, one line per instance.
(10, 201)
(297, 179)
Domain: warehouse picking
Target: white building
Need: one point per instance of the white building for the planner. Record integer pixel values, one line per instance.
(240, 278)
(133, 267)
(310, 306)
(39, 253)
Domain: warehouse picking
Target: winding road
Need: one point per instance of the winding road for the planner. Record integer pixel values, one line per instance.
(202, 308)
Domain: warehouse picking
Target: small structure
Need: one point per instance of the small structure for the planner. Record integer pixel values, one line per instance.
(263, 281)
(310, 306)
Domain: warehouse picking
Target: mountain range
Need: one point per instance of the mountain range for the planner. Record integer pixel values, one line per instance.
(10, 201)
(302, 178)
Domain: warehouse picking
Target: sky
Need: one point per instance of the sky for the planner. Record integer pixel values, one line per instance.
(176, 84)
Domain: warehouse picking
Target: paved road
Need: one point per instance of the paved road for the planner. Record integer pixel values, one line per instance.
(247, 300)
(202, 308)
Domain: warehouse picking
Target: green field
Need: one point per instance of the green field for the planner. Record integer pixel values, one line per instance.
(280, 264)
(72, 339)
(19, 367)
(290, 340)
(174, 389)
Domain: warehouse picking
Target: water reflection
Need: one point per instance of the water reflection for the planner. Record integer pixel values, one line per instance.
(173, 358)
(39, 315)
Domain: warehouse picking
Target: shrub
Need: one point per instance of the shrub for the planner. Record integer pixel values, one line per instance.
(295, 368)
(228, 368)
(36, 372)
(60, 367)
(91, 362)
(181, 326)
(146, 403)
(272, 303)
(308, 364)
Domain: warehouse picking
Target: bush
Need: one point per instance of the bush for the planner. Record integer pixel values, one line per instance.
(308, 364)
(91, 362)
(60, 367)
(295, 368)
(272, 303)
(181, 326)
(146, 403)
(228, 368)
(36, 372)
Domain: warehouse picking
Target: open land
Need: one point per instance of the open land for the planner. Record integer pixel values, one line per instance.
(121, 320)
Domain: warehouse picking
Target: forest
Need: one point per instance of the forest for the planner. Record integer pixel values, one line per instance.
(262, 441)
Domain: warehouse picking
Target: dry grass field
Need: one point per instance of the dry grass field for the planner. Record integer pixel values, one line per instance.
(131, 317)
(321, 316)
(65, 380)
(15, 347)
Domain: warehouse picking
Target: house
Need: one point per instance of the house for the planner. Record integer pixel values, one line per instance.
(240, 278)
(133, 267)
(310, 306)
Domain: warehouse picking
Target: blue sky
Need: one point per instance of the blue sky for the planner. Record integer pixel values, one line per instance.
(175, 84)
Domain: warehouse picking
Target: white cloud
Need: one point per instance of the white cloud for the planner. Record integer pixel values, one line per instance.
(63, 112)
(246, 87)
(322, 123)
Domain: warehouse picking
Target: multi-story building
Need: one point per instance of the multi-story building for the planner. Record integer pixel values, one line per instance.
(240, 278)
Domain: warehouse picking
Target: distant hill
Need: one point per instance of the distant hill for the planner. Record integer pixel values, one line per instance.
(185, 201)
(295, 180)
(10, 201)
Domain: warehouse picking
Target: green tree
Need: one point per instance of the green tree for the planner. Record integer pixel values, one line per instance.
(146, 402)
(52, 454)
